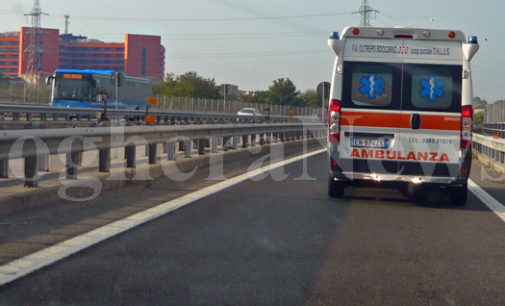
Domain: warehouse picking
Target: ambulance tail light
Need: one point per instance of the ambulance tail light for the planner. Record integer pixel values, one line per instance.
(466, 127)
(334, 116)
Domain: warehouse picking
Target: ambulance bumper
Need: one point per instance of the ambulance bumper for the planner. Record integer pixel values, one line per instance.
(351, 176)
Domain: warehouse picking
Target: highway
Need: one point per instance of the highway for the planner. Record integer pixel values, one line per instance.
(278, 240)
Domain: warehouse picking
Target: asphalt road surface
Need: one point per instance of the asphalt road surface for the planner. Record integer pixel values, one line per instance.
(270, 242)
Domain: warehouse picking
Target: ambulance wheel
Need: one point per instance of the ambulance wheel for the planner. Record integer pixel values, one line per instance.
(336, 189)
(458, 195)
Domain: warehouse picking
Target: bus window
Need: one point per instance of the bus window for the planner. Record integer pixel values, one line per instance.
(72, 89)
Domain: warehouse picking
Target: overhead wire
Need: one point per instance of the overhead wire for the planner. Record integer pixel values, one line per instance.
(242, 54)
(216, 19)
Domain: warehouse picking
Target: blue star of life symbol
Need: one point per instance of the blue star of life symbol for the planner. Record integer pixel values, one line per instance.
(371, 86)
(431, 88)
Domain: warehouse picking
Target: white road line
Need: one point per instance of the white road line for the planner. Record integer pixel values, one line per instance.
(487, 199)
(33, 262)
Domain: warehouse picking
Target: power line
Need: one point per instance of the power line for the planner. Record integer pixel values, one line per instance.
(394, 19)
(136, 19)
(231, 36)
(242, 54)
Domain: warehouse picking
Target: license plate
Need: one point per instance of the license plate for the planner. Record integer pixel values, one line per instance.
(359, 142)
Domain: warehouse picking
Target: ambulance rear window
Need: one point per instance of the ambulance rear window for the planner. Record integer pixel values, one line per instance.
(432, 87)
(371, 84)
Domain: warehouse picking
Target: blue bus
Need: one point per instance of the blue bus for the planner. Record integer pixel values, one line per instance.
(89, 88)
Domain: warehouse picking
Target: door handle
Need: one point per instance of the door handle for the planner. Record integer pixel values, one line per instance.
(415, 121)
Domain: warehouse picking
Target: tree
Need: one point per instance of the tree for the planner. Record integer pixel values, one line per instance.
(478, 117)
(189, 84)
(258, 96)
(3, 78)
(478, 102)
(310, 98)
(283, 92)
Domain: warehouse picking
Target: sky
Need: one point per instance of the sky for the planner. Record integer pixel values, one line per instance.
(251, 43)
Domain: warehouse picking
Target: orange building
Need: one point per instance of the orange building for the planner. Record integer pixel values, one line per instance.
(138, 55)
(9, 53)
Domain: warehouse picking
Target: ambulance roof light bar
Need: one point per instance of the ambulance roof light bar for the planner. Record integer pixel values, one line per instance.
(403, 33)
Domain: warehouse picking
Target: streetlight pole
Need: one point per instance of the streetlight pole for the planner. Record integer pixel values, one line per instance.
(224, 102)
(322, 103)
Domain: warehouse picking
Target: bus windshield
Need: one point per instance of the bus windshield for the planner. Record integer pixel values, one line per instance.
(72, 89)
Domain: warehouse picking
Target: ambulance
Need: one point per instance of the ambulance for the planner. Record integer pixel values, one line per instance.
(400, 109)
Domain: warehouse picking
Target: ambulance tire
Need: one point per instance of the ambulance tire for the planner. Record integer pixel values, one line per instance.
(458, 195)
(336, 189)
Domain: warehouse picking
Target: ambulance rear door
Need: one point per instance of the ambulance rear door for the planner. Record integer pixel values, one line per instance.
(371, 107)
(430, 126)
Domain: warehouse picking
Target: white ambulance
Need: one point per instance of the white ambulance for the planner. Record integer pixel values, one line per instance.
(401, 109)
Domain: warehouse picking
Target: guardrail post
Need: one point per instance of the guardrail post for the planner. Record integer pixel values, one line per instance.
(226, 143)
(79, 158)
(201, 146)
(245, 141)
(72, 163)
(15, 116)
(104, 160)
(43, 162)
(235, 142)
(130, 155)
(214, 142)
(268, 138)
(55, 117)
(30, 171)
(281, 136)
(43, 116)
(170, 149)
(153, 153)
(262, 139)
(188, 148)
(4, 168)
(253, 140)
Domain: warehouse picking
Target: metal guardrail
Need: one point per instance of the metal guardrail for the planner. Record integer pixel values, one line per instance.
(35, 146)
(493, 149)
(491, 129)
(29, 112)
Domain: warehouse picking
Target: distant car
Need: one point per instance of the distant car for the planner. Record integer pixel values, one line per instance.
(252, 112)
